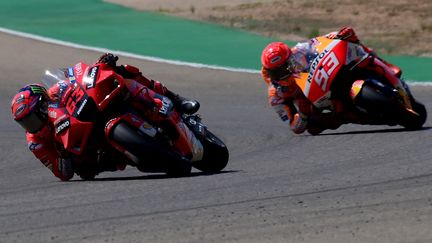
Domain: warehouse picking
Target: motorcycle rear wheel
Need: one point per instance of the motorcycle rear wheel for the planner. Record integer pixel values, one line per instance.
(412, 121)
(382, 104)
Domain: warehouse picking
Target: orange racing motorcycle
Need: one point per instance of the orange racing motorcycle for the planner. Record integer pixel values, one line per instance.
(340, 78)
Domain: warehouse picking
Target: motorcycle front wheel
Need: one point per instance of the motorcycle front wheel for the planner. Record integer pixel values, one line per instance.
(215, 156)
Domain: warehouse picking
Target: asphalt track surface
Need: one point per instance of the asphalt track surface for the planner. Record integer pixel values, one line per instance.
(354, 184)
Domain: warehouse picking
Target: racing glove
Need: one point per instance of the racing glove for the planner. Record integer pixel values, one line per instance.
(346, 33)
(109, 59)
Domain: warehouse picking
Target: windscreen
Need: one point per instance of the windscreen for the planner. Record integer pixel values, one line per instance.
(53, 76)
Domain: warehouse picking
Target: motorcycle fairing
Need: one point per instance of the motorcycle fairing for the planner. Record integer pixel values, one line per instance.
(316, 83)
(194, 146)
(106, 80)
(64, 116)
(77, 101)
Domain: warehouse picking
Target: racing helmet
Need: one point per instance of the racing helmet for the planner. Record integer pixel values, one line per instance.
(30, 107)
(274, 59)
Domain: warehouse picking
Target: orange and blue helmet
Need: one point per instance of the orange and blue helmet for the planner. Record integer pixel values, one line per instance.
(30, 107)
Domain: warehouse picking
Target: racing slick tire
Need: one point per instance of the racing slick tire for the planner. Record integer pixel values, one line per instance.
(215, 156)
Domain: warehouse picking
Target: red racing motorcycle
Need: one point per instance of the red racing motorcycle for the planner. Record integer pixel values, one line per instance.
(339, 75)
(93, 118)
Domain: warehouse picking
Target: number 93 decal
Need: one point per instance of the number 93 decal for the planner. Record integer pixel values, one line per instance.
(329, 64)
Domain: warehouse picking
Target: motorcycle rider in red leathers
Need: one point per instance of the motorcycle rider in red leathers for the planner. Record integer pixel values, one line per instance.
(281, 64)
(30, 110)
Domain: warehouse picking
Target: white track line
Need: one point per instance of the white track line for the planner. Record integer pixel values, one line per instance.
(122, 53)
(147, 58)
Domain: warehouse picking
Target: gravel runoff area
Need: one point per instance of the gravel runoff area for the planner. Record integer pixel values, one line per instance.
(388, 26)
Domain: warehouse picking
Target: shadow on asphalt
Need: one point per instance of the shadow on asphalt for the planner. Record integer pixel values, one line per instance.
(389, 130)
(155, 176)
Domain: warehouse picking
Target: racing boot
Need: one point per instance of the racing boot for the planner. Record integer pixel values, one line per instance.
(184, 105)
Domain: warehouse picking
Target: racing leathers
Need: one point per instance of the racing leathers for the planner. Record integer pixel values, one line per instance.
(43, 146)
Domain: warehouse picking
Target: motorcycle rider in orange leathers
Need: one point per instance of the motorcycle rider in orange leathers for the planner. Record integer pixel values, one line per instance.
(281, 64)
(30, 109)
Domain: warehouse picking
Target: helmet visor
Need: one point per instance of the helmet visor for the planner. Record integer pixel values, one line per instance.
(32, 123)
(280, 72)
(300, 61)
